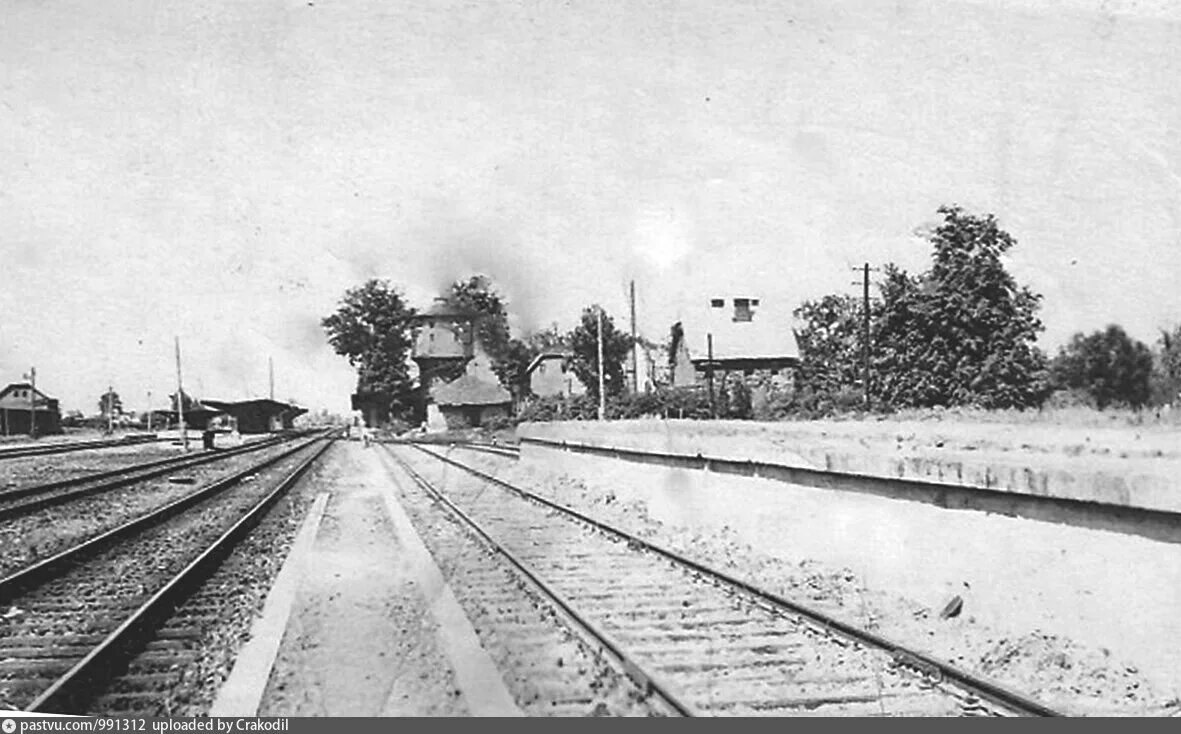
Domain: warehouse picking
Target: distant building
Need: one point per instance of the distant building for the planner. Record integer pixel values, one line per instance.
(550, 374)
(445, 345)
(458, 386)
(469, 402)
(745, 337)
(19, 401)
(260, 415)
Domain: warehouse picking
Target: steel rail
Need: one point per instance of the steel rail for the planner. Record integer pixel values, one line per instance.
(917, 660)
(17, 452)
(500, 449)
(69, 692)
(650, 683)
(490, 449)
(44, 570)
(121, 478)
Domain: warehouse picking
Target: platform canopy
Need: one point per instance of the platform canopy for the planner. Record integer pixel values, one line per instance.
(197, 415)
(258, 415)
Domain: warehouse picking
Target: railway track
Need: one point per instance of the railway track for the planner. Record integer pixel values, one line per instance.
(698, 639)
(19, 501)
(510, 450)
(548, 666)
(18, 452)
(74, 620)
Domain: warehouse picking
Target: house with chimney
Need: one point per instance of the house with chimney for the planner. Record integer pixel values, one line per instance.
(736, 335)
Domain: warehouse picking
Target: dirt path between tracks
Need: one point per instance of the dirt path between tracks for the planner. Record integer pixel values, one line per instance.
(361, 640)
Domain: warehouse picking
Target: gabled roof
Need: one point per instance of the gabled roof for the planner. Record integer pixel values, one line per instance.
(24, 386)
(543, 357)
(470, 390)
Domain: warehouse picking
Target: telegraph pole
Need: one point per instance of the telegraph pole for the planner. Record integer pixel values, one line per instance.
(602, 390)
(32, 378)
(271, 369)
(865, 329)
(110, 408)
(180, 401)
(149, 411)
(635, 360)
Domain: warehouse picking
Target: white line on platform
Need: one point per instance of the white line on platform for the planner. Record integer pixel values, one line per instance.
(241, 694)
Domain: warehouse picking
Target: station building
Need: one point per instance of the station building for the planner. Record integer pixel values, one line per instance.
(21, 404)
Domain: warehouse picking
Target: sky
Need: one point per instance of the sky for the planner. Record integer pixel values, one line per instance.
(222, 172)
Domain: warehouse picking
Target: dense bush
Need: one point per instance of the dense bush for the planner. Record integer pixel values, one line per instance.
(1108, 366)
(559, 408)
(680, 402)
(667, 402)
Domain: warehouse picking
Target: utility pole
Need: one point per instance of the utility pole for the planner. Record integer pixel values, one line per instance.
(149, 411)
(602, 389)
(865, 329)
(271, 369)
(32, 378)
(180, 401)
(110, 408)
(635, 360)
(709, 372)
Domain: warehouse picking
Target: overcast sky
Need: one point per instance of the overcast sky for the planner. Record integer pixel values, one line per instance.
(225, 170)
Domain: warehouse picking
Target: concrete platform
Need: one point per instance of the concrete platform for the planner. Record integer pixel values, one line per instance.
(1128, 468)
(360, 621)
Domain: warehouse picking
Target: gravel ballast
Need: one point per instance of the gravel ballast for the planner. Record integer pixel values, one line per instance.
(893, 566)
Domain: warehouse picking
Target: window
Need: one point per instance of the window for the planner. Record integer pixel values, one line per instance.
(742, 310)
(718, 303)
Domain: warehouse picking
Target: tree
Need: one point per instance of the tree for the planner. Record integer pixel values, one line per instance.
(109, 404)
(830, 343)
(584, 342)
(479, 294)
(371, 328)
(1107, 365)
(513, 370)
(964, 332)
(549, 339)
(1166, 375)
